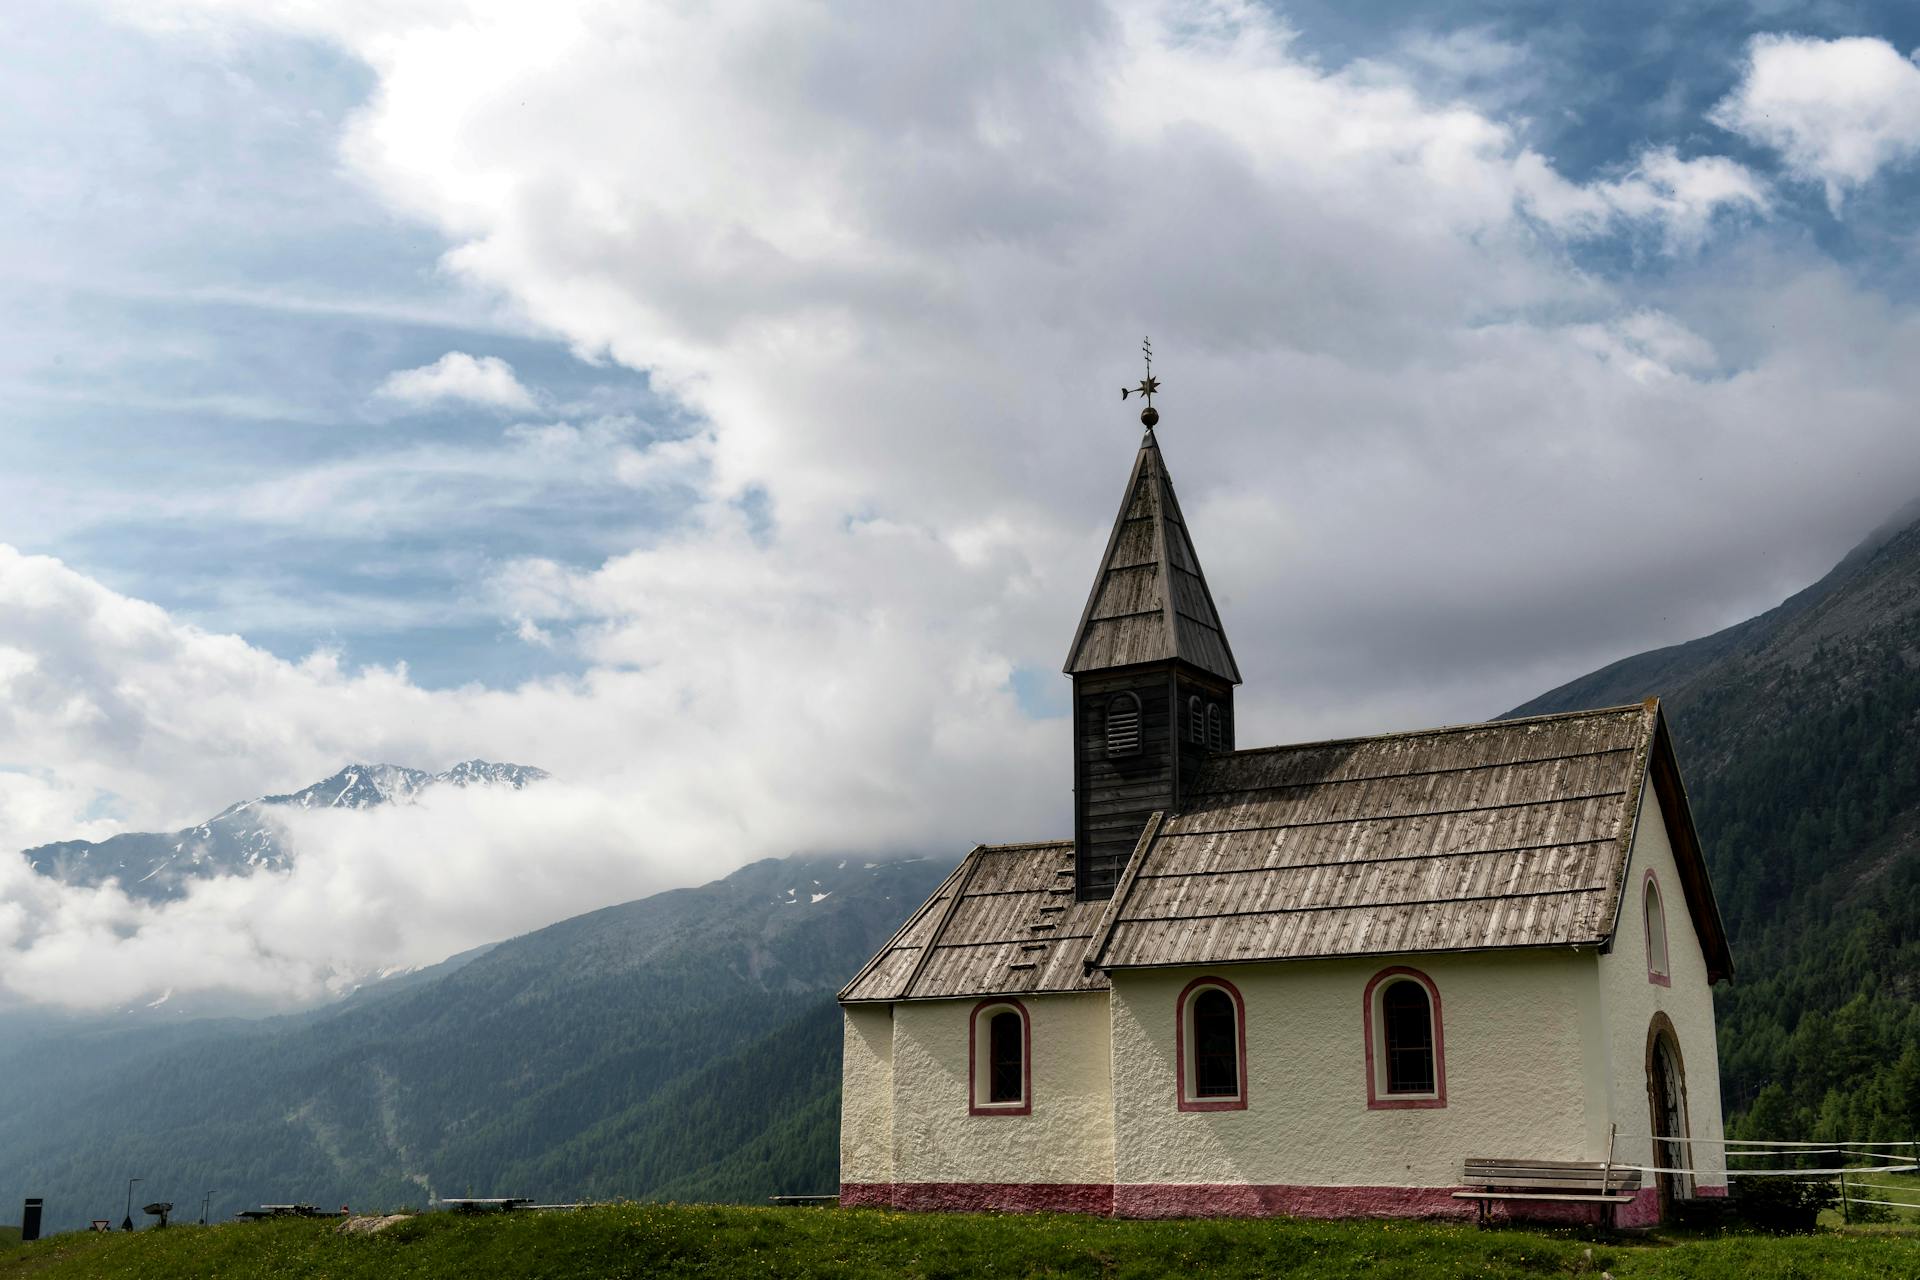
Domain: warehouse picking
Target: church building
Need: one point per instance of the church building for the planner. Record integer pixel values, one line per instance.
(1446, 972)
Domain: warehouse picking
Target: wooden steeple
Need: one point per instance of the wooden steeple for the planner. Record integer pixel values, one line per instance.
(1153, 678)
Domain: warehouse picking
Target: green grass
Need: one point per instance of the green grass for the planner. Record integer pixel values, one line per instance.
(1908, 1193)
(653, 1240)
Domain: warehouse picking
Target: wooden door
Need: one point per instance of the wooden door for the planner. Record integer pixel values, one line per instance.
(1667, 1091)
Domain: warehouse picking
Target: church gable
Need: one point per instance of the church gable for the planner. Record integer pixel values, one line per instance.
(1663, 775)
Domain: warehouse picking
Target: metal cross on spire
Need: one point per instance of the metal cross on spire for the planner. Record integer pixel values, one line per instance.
(1148, 385)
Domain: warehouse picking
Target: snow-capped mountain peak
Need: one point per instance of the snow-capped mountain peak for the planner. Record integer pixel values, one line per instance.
(244, 837)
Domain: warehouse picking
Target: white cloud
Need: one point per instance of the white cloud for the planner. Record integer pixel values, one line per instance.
(1680, 198)
(457, 376)
(695, 745)
(427, 485)
(1838, 111)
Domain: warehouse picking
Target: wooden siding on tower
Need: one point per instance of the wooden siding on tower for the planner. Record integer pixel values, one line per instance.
(1192, 751)
(1116, 793)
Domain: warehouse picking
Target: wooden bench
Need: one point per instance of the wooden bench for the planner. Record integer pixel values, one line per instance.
(1574, 1181)
(484, 1204)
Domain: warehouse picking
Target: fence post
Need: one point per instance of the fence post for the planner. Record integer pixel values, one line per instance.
(1846, 1209)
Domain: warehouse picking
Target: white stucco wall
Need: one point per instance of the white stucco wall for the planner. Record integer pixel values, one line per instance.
(866, 1093)
(1067, 1138)
(1629, 1002)
(1521, 1030)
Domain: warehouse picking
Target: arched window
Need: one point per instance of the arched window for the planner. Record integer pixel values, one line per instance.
(1216, 1061)
(1655, 915)
(1000, 1051)
(1123, 725)
(1216, 726)
(1196, 720)
(1006, 1061)
(1406, 1051)
(1211, 1047)
(1408, 1020)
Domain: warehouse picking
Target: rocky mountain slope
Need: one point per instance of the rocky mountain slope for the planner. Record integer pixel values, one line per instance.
(1799, 733)
(684, 1045)
(246, 837)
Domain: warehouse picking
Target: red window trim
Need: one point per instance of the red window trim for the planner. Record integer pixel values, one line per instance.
(1388, 1102)
(1024, 1107)
(1666, 935)
(1180, 1048)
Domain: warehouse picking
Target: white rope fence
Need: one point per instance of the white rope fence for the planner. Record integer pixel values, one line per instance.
(1883, 1157)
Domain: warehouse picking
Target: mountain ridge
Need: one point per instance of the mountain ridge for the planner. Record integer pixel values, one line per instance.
(243, 837)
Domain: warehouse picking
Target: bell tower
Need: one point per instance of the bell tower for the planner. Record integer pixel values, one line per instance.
(1152, 673)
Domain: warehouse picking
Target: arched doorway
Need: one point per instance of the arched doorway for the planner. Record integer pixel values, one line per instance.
(1667, 1107)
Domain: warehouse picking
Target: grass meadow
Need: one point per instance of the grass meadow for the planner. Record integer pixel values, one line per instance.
(644, 1240)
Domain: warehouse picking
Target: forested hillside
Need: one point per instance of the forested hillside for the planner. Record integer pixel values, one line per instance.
(683, 1045)
(1799, 733)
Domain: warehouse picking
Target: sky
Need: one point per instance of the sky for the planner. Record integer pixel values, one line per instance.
(714, 406)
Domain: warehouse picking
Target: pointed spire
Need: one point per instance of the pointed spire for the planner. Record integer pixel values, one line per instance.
(1150, 601)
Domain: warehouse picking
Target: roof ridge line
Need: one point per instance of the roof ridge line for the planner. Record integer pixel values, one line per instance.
(1464, 727)
(1129, 875)
(912, 919)
(1025, 844)
(963, 874)
(1390, 777)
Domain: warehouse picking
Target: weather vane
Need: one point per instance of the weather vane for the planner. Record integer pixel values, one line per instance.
(1148, 385)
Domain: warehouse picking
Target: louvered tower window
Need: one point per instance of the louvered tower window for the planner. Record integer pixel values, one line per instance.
(1123, 725)
(1196, 719)
(1216, 727)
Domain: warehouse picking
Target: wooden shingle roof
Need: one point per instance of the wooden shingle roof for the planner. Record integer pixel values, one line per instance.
(1150, 600)
(1004, 923)
(1489, 836)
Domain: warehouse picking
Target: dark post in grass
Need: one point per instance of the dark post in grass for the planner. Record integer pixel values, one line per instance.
(126, 1223)
(205, 1201)
(30, 1221)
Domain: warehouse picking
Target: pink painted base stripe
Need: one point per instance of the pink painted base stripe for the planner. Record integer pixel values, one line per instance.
(866, 1195)
(1643, 1212)
(982, 1197)
(1233, 1200)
